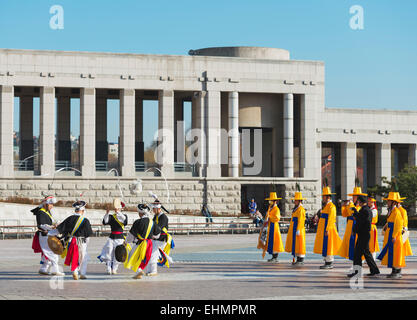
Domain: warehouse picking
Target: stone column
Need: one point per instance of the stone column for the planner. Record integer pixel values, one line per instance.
(199, 125)
(102, 147)
(382, 161)
(234, 134)
(288, 135)
(88, 132)
(26, 128)
(213, 126)
(47, 131)
(139, 145)
(412, 155)
(127, 128)
(165, 150)
(309, 151)
(348, 166)
(6, 131)
(64, 129)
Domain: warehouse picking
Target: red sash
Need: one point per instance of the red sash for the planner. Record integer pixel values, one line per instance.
(148, 254)
(72, 255)
(35, 244)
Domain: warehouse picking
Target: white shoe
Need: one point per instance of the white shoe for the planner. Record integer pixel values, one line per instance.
(152, 274)
(58, 273)
(114, 272)
(44, 273)
(139, 275)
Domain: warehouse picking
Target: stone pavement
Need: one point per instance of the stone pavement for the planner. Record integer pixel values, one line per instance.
(207, 267)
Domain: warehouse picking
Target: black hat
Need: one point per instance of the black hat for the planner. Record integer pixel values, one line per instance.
(78, 205)
(362, 199)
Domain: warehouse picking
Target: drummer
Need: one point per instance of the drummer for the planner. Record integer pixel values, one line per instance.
(45, 222)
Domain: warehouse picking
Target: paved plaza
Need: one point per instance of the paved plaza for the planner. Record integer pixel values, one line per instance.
(207, 267)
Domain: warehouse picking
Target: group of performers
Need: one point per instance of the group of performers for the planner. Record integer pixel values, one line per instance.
(147, 244)
(396, 245)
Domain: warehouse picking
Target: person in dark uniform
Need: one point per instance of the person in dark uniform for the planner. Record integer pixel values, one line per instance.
(141, 234)
(117, 223)
(362, 228)
(76, 229)
(45, 222)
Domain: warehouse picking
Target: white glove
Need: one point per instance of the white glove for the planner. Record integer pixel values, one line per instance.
(298, 232)
(53, 232)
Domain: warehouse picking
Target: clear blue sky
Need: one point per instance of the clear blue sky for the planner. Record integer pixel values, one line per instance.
(374, 67)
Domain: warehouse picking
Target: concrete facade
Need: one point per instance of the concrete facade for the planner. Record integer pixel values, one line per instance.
(229, 88)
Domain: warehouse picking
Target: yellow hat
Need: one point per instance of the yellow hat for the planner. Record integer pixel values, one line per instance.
(393, 196)
(372, 199)
(298, 196)
(357, 191)
(273, 196)
(327, 191)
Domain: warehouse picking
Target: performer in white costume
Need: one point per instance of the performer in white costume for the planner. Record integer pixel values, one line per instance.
(45, 222)
(117, 222)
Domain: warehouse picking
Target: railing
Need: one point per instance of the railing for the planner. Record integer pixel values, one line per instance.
(102, 166)
(185, 228)
(185, 167)
(141, 166)
(60, 164)
(27, 165)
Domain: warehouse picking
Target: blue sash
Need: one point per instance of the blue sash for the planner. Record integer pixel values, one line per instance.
(271, 238)
(294, 234)
(352, 239)
(325, 216)
(389, 246)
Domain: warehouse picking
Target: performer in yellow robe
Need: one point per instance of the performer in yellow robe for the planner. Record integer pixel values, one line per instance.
(393, 253)
(404, 215)
(349, 239)
(373, 241)
(327, 242)
(296, 237)
(273, 244)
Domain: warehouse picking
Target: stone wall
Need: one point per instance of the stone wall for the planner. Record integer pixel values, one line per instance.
(185, 196)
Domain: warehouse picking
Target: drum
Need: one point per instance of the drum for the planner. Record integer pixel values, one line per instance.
(56, 245)
(120, 253)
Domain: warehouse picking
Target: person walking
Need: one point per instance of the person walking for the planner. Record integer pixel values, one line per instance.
(362, 228)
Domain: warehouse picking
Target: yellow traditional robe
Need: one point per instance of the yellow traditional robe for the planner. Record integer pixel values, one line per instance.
(332, 245)
(299, 247)
(348, 246)
(373, 241)
(407, 246)
(274, 242)
(393, 256)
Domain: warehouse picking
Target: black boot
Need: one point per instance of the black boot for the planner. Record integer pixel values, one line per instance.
(397, 274)
(300, 261)
(327, 265)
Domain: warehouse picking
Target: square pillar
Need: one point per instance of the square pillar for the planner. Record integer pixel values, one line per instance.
(64, 129)
(288, 135)
(165, 149)
(179, 144)
(412, 155)
(127, 128)
(88, 132)
(310, 150)
(234, 142)
(199, 125)
(47, 131)
(382, 162)
(348, 165)
(213, 121)
(26, 128)
(6, 131)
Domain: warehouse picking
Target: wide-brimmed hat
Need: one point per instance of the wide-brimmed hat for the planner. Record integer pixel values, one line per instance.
(143, 208)
(357, 191)
(273, 196)
(79, 205)
(327, 191)
(298, 196)
(393, 196)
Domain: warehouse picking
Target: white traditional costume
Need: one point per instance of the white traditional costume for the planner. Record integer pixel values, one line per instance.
(117, 222)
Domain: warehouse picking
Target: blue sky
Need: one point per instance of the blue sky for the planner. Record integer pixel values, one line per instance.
(374, 67)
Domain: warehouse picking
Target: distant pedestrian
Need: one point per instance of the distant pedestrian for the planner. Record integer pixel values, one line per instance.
(206, 212)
